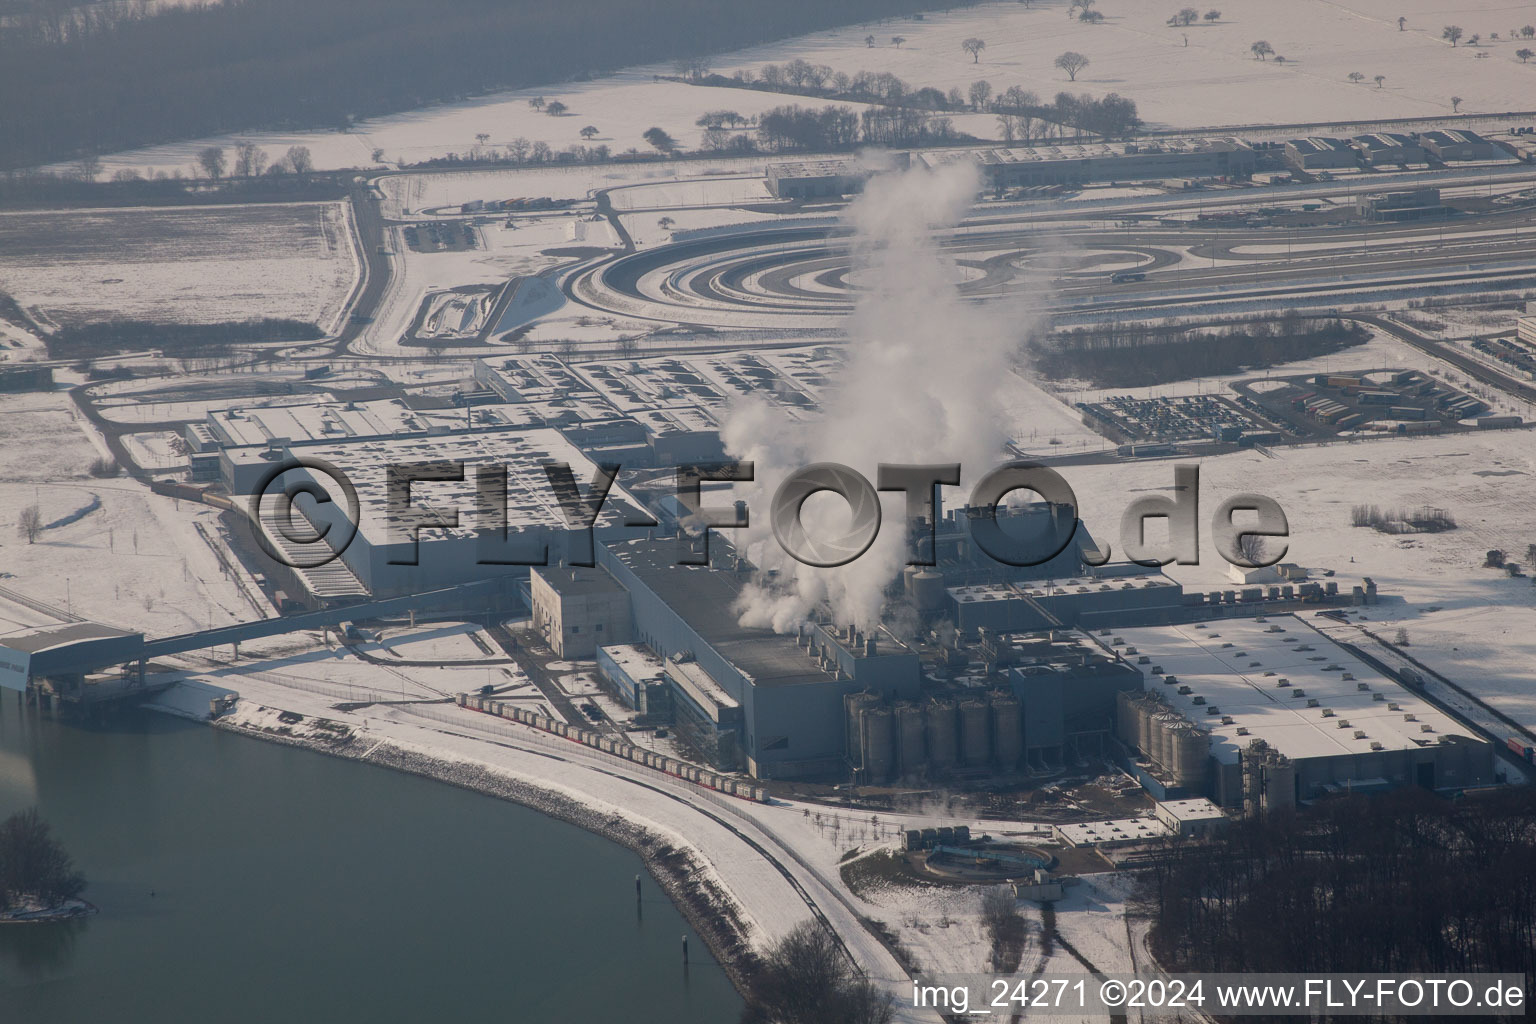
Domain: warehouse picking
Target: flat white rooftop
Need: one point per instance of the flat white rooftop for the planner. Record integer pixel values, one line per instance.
(1197, 809)
(1279, 680)
(1106, 833)
(637, 661)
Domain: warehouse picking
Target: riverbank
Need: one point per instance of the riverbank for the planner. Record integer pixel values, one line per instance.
(702, 902)
(66, 911)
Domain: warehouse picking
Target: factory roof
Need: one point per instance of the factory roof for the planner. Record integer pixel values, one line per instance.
(569, 581)
(1282, 681)
(638, 661)
(815, 169)
(338, 421)
(531, 500)
(1384, 140)
(1111, 833)
(705, 598)
(1318, 144)
(1057, 588)
(1195, 809)
(1453, 136)
(36, 641)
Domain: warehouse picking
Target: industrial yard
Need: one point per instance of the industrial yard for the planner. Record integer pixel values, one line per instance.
(448, 475)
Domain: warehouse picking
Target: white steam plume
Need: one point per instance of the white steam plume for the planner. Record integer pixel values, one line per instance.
(922, 382)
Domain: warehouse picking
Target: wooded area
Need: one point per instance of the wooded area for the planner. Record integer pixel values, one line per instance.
(1129, 357)
(1405, 882)
(97, 79)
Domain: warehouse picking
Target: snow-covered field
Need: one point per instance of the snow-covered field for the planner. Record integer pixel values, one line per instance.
(181, 264)
(1201, 75)
(132, 558)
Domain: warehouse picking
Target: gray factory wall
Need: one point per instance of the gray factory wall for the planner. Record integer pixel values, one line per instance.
(1458, 763)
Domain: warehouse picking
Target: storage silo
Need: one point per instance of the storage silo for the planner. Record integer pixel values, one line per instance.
(1162, 738)
(911, 753)
(928, 591)
(975, 745)
(1007, 730)
(853, 704)
(1146, 727)
(875, 742)
(1126, 702)
(1191, 747)
(941, 727)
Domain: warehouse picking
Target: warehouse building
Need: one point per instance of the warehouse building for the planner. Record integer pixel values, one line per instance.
(1458, 144)
(1262, 714)
(1379, 148)
(1320, 153)
(816, 179)
(1064, 164)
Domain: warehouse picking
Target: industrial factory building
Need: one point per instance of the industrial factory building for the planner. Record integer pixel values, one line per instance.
(445, 536)
(777, 697)
(1065, 164)
(1056, 704)
(578, 610)
(1141, 597)
(1261, 714)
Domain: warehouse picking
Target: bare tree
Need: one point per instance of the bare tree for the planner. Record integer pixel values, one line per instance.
(1402, 24)
(1251, 547)
(211, 160)
(1185, 17)
(1455, 104)
(537, 103)
(517, 149)
(805, 978)
(1261, 49)
(980, 93)
(589, 132)
(554, 108)
(300, 162)
(250, 159)
(869, 41)
(1524, 55)
(30, 523)
(1072, 62)
(1379, 80)
(974, 46)
(1213, 16)
(1528, 31)
(1356, 77)
(896, 41)
(1452, 33)
(88, 167)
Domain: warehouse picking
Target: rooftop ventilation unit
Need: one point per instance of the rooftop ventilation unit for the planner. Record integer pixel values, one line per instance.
(1376, 745)
(1242, 730)
(1426, 727)
(1359, 734)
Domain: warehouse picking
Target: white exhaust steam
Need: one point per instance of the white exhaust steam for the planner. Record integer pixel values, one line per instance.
(922, 382)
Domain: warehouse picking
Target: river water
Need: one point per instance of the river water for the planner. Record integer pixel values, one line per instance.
(240, 880)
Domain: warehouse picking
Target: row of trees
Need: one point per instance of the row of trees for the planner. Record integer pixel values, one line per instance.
(1454, 33)
(1118, 356)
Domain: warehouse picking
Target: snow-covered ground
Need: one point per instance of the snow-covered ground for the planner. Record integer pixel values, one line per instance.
(132, 558)
(181, 264)
(1201, 75)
